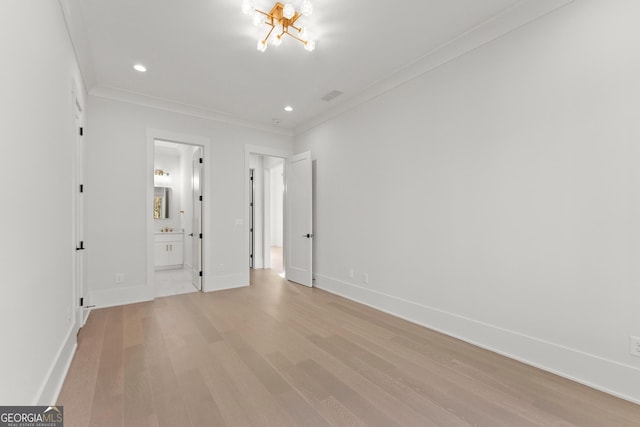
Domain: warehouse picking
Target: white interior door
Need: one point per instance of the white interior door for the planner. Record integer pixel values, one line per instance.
(299, 219)
(197, 220)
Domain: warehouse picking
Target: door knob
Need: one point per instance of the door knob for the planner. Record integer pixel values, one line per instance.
(308, 236)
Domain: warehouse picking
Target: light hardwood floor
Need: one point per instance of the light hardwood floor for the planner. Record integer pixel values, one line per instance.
(279, 354)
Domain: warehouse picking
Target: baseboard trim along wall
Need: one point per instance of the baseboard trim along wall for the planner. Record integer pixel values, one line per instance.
(51, 386)
(230, 281)
(596, 372)
(121, 296)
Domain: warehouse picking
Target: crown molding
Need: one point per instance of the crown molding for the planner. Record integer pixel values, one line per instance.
(76, 29)
(503, 23)
(136, 98)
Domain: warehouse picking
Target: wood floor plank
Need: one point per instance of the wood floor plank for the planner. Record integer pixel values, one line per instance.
(363, 409)
(230, 401)
(107, 408)
(202, 409)
(78, 390)
(432, 413)
(138, 405)
(167, 400)
(280, 354)
(260, 404)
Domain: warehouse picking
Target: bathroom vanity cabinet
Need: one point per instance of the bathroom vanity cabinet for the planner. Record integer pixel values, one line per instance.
(169, 250)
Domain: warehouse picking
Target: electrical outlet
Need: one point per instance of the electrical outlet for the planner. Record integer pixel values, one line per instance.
(351, 273)
(634, 346)
(365, 278)
(119, 278)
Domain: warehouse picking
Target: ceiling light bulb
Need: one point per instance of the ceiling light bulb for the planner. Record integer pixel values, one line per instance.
(262, 45)
(247, 7)
(304, 34)
(288, 11)
(307, 8)
(310, 45)
(288, 108)
(140, 67)
(277, 40)
(257, 19)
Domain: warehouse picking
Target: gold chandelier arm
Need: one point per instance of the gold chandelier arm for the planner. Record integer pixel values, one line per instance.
(270, 31)
(297, 38)
(276, 18)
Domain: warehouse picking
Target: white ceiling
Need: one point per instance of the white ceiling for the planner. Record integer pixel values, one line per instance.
(202, 53)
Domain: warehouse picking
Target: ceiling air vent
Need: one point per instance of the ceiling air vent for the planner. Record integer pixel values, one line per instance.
(331, 95)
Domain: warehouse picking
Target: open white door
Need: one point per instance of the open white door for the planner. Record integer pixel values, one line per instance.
(197, 220)
(299, 219)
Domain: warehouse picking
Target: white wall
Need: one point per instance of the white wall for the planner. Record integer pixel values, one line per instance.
(37, 246)
(117, 134)
(497, 197)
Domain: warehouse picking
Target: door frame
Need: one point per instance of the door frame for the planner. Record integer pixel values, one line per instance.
(269, 152)
(252, 218)
(197, 205)
(207, 203)
(80, 312)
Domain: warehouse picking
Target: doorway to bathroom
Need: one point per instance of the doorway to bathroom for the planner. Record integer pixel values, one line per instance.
(177, 217)
(266, 228)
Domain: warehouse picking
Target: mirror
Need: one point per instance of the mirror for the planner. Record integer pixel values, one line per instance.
(161, 202)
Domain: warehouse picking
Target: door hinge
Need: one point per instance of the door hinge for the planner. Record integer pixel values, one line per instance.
(201, 235)
(251, 230)
(81, 302)
(82, 188)
(200, 198)
(81, 131)
(200, 274)
(81, 247)
(201, 160)
(251, 204)
(251, 178)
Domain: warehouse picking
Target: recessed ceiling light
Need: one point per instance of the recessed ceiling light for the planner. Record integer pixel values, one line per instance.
(140, 67)
(288, 108)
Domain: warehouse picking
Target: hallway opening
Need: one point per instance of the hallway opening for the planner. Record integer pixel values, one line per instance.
(177, 216)
(266, 213)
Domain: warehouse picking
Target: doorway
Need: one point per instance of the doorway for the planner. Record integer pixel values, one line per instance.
(266, 213)
(298, 236)
(177, 217)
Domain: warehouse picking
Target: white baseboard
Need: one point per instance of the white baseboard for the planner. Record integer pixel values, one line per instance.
(596, 372)
(133, 294)
(121, 296)
(230, 281)
(52, 384)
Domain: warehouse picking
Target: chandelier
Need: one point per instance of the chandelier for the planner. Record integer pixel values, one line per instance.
(282, 20)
